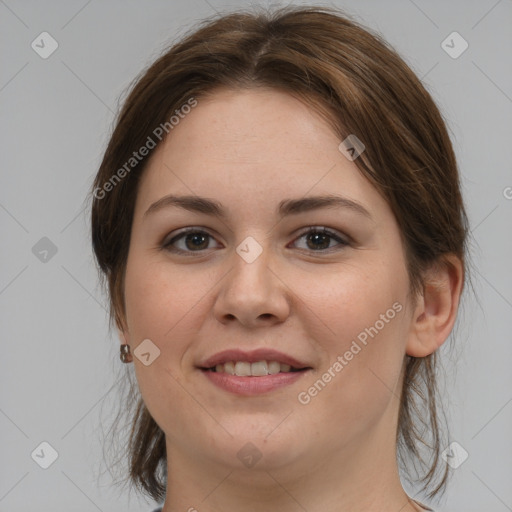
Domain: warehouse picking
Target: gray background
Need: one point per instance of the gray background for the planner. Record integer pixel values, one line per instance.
(59, 363)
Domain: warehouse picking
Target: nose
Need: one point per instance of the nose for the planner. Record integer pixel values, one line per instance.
(252, 294)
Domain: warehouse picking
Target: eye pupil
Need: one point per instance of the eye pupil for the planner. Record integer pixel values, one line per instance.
(319, 236)
(196, 237)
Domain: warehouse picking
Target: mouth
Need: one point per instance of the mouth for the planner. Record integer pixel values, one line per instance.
(256, 369)
(252, 373)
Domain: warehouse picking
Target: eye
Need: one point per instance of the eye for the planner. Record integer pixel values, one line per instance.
(319, 239)
(191, 239)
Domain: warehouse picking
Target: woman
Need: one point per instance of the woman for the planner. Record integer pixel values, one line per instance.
(279, 221)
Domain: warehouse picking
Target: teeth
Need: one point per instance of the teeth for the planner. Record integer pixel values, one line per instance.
(228, 367)
(243, 369)
(259, 369)
(274, 367)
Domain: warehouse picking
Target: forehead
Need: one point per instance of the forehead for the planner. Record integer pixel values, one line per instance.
(252, 147)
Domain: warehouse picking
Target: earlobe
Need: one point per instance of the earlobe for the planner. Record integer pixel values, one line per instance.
(436, 309)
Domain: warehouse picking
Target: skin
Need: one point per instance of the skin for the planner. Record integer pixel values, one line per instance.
(249, 150)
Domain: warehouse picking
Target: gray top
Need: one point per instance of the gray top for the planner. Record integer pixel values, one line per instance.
(420, 504)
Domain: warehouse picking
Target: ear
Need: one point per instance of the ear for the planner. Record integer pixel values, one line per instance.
(436, 309)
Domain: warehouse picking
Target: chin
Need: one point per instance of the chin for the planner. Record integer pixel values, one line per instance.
(257, 444)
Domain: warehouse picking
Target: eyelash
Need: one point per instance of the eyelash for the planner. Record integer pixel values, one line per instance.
(310, 230)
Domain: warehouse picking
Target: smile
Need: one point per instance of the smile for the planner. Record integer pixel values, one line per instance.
(248, 383)
(257, 369)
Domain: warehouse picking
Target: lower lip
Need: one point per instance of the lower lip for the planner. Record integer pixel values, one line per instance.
(250, 386)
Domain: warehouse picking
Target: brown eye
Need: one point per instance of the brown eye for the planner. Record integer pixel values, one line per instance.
(191, 240)
(320, 239)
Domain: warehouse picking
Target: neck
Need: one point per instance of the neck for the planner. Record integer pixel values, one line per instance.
(357, 477)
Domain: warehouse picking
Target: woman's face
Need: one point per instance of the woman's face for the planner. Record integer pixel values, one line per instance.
(259, 278)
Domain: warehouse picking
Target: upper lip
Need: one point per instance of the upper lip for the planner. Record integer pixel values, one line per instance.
(253, 356)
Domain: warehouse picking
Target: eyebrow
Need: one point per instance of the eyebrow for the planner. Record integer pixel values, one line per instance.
(285, 208)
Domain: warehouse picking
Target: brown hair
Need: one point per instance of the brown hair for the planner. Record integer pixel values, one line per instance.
(361, 86)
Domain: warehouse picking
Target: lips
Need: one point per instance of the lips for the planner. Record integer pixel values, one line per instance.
(253, 373)
(253, 356)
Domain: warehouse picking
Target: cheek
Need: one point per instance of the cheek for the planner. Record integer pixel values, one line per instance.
(362, 327)
(359, 384)
(160, 306)
(158, 299)
(352, 302)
